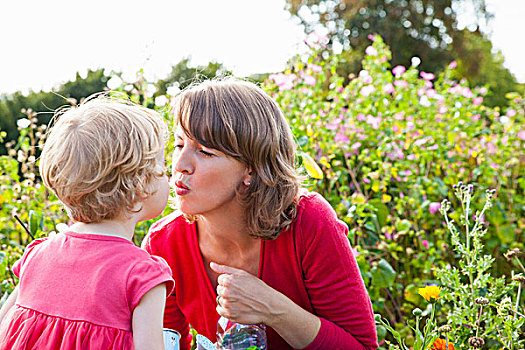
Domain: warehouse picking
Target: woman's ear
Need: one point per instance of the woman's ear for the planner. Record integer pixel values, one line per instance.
(248, 177)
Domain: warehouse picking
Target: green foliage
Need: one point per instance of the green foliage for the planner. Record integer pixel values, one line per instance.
(13, 107)
(412, 28)
(390, 143)
(469, 286)
(384, 147)
(182, 75)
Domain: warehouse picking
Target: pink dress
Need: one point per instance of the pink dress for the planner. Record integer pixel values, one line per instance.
(78, 291)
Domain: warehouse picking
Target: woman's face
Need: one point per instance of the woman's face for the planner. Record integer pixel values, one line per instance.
(205, 179)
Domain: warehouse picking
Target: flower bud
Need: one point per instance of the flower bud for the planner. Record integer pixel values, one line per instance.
(476, 342)
(417, 312)
(511, 253)
(519, 278)
(444, 329)
(481, 301)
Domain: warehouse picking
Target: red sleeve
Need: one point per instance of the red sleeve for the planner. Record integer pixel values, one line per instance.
(19, 264)
(173, 316)
(333, 280)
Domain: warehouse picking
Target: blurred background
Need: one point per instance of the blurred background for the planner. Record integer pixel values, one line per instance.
(71, 48)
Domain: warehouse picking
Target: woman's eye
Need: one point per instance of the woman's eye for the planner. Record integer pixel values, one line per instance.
(179, 146)
(207, 154)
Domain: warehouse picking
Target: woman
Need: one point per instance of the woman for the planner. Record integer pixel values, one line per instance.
(247, 242)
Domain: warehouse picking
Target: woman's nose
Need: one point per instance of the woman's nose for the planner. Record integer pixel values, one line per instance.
(182, 162)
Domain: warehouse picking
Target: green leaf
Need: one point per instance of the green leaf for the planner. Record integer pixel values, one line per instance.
(383, 275)
(382, 211)
(35, 222)
(403, 226)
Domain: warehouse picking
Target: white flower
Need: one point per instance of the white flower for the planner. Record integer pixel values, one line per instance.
(23, 123)
(424, 101)
(160, 101)
(173, 90)
(114, 83)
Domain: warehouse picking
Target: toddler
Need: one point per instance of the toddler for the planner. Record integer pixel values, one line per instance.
(91, 287)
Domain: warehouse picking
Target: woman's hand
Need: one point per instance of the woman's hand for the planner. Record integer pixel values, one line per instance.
(243, 297)
(246, 299)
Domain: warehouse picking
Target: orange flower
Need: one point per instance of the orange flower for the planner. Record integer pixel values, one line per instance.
(441, 344)
(430, 292)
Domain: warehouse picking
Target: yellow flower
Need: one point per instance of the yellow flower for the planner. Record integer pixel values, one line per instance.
(311, 167)
(430, 293)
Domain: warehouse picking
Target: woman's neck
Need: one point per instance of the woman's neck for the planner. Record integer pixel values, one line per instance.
(225, 233)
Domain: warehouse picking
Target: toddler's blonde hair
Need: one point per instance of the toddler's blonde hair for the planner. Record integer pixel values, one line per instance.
(101, 156)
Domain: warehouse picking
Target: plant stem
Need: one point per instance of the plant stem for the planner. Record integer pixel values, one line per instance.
(479, 319)
(428, 326)
(517, 299)
(520, 264)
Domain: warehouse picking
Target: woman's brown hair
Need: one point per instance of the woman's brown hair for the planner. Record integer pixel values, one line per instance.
(240, 120)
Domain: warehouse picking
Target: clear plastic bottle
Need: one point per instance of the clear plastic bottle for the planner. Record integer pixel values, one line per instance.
(236, 336)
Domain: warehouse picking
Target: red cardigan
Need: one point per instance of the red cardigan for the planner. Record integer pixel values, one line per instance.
(311, 263)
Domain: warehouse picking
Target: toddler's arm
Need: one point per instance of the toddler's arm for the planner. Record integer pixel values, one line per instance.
(9, 303)
(147, 320)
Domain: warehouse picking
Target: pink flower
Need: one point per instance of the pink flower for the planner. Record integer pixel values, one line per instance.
(284, 81)
(401, 83)
(315, 67)
(424, 243)
(467, 93)
(398, 70)
(383, 59)
(356, 146)
(483, 90)
(388, 88)
(395, 128)
(367, 90)
(521, 135)
(314, 39)
(371, 51)
(434, 207)
(371, 37)
(431, 93)
(367, 79)
(341, 138)
(452, 65)
(373, 121)
(360, 117)
(366, 180)
(427, 76)
(477, 100)
(339, 89)
(511, 113)
(309, 80)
